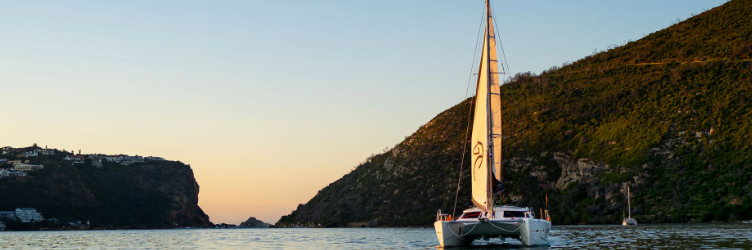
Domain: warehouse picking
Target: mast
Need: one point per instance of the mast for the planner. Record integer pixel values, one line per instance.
(629, 204)
(489, 35)
(494, 107)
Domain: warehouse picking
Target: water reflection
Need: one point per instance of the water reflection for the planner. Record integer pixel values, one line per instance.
(691, 236)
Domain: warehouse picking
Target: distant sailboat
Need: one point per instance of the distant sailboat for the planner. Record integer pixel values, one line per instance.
(486, 220)
(629, 221)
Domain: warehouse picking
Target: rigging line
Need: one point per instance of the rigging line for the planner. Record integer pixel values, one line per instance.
(469, 113)
(506, 64)
(518, 228)
(468, 232)
(508, 75)
(500, 47)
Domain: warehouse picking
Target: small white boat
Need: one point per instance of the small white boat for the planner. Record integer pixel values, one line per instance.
(629, 221)
(486, 220)
(747, 221)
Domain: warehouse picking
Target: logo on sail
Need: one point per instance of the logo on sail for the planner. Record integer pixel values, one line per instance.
(478, 153)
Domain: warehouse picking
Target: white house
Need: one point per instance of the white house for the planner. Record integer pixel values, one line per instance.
(9, 173)
(153, 158)
(127, 159)
(75, 158)
(27, 214)
(47, 151)
(31, 153)
(27, 167)
(113, 158)
(7, 150)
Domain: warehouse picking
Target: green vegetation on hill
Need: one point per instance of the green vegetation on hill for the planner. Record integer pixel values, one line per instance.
(669, 115)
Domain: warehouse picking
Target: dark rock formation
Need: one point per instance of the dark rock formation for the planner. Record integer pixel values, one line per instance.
(253, 222)
(160, 194)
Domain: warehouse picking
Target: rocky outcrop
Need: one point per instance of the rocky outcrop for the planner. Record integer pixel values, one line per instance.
(147, 195)
(577, 170)
(253, 222)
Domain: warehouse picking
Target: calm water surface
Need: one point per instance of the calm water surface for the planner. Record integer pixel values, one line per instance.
(687, 236)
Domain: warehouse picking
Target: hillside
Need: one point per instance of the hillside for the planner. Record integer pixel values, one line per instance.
(153, 194)
(669, 115)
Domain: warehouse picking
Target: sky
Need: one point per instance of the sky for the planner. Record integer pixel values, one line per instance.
(270, 101)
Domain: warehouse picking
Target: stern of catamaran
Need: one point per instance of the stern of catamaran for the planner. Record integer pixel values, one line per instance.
(508, 222)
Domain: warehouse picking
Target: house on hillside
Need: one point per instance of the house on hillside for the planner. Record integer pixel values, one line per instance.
(75, 158)
(27, 215)
(16, 162)
(11, 173)
(2, 226)
(27, 167)
(128, 160)
(114, 158)
(153, 158)
(7, 150)
(47, 151)
(124, 159)
(8, 216)
(3, 161)
(32, 153)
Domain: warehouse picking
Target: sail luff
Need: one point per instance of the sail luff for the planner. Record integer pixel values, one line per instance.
(489, 120)
(479, 141)
(486, 124)
(480, 134)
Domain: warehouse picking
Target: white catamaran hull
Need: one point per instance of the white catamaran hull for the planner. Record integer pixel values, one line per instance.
(529, 231)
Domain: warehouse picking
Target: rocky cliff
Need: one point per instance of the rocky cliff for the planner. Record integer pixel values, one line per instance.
(668, 115)
(253, 222)
(157, 194)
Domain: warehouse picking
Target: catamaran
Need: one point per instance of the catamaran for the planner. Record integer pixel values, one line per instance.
(486, 220)
(629, 221)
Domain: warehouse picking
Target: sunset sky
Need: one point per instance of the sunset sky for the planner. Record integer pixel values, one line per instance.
(270, 101)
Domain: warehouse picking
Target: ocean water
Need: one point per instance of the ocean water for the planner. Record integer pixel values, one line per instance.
(683, 236)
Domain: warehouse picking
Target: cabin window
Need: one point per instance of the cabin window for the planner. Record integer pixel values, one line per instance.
(516, 214)
(470, 215)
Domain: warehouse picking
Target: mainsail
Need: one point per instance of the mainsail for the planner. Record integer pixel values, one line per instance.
(486, 137)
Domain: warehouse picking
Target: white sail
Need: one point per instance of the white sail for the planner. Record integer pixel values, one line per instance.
(495, 108)
(486, 137)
